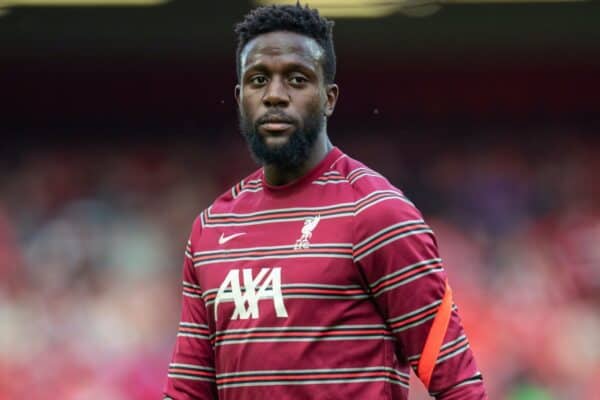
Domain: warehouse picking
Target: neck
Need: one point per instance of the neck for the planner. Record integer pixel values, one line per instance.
(277, 176)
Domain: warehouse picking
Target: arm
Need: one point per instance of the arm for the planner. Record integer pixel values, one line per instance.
(191, 374)
(398, 256)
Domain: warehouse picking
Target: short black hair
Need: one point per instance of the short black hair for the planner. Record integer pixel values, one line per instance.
(292, 18)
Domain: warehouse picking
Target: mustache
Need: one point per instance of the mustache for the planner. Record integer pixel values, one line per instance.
(277, 116)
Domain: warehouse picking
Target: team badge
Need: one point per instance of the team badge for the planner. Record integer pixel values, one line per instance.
(309, 226)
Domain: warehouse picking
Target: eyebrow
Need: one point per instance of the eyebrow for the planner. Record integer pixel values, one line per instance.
(304, 67)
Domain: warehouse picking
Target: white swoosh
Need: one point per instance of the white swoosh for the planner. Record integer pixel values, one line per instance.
(224, 239)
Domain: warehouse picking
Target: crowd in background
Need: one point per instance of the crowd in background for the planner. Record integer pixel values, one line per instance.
(92, 240)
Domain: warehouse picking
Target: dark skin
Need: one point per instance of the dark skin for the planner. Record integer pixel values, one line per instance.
(282, 80)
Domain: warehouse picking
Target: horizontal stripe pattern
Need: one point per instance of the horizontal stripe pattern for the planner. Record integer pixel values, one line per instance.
(321, 328)
(188, 250)
(305, 291)
(406, 275)
(334, 177)
(210, 219)
(312, 377)
(277, 215)
(191, 290)
(335, 250)
(236, 189)
(414, 318)
(447, 351)
(377, 197)
(330, 177)
(475, 379)
(301, 334)
(389, 235)
(249, 186)
(361, 172)
(193, 330)
(191, 372)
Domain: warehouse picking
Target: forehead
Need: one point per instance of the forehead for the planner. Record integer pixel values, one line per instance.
(281, 44)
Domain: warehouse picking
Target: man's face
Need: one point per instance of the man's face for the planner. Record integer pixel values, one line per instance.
(282, 97)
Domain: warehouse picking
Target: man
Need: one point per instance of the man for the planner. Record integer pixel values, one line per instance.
(314, 277)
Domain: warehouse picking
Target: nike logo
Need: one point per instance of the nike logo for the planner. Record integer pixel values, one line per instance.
(224, 239)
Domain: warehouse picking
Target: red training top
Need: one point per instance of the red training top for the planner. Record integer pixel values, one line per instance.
(329, 287)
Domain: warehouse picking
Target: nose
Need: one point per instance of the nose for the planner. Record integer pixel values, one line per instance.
(276, 94)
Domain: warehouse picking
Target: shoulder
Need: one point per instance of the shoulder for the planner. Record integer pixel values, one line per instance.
(250, 184)
(383, 216)
(229, 200)
(374, 195)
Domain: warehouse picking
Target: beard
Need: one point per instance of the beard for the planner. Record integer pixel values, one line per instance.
(290, 155)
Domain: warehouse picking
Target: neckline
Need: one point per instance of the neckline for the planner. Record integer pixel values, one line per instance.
(323, 165)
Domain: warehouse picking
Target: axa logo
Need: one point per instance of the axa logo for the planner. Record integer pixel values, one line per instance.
(265, 285)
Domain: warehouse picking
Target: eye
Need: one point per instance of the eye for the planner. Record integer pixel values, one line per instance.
(298, 80)
(258, 80)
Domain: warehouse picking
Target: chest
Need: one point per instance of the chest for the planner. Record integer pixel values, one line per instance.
(266, 269)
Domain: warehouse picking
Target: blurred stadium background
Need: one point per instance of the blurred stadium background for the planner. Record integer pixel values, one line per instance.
(118, 127)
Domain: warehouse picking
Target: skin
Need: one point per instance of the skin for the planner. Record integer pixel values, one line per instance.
(281, 73)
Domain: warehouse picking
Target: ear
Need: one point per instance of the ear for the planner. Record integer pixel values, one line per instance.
(332, 91)
(236, 93)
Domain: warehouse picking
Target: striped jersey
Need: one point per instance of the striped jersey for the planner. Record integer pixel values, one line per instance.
(325, 288)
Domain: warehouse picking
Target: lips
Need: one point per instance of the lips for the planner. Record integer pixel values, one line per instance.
(275, 124)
